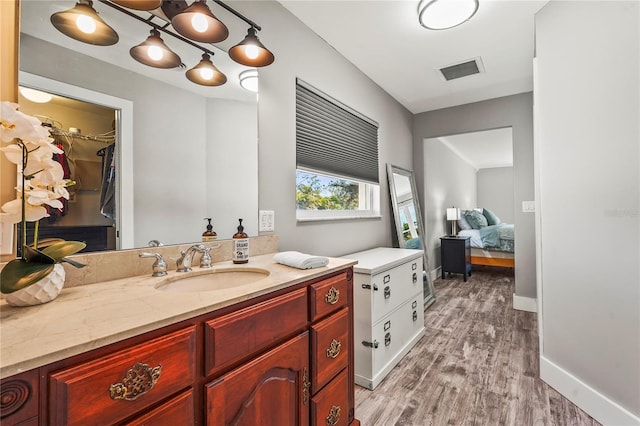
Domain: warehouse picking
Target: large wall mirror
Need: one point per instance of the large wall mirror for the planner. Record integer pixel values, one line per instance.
(408, 221)
(184, 152)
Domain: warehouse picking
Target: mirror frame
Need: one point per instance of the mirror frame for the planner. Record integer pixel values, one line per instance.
(429, 297)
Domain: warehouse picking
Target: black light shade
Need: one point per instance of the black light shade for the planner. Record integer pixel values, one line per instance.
(82, 23)
(139, 4)
(251, 52)
(198, 23)
(154, 53)
(206, 74)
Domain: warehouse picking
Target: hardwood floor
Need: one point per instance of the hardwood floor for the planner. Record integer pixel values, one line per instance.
(476, 365)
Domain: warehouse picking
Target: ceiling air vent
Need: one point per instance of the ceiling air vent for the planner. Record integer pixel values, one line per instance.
(462, 69)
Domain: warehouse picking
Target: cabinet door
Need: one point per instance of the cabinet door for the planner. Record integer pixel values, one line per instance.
(273, 389)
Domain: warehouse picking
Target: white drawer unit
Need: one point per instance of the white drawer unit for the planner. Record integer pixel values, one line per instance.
(388, 310)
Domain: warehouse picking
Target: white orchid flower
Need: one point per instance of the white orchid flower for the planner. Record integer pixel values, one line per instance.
(14, 210)
(16, 125)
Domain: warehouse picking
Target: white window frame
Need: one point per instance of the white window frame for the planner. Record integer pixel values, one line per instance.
(368, 196)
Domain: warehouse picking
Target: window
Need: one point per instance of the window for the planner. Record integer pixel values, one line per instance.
(336, 159)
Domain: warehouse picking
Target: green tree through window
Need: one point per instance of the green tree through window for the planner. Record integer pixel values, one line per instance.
(317, 192)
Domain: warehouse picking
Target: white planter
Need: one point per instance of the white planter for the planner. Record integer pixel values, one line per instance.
(41, 292)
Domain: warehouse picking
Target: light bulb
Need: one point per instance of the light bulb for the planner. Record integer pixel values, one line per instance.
(155, 53)
(199, 23)
(206, 73)
(251, 51)
(86, 24)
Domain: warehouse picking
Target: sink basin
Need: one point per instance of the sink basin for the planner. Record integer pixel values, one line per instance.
(213, 279)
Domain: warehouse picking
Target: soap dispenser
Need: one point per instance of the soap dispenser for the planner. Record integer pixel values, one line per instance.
(209, 234)
(240, 245)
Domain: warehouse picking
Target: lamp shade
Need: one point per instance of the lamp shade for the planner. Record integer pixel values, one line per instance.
(139, 4)
(444, 14)
(251, 52)
(206, 74)
(453, 213)
(198, 23)
(154, 53)
(82, 23)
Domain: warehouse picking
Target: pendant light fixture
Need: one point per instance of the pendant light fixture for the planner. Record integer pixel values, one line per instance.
(251, 52)
(444, 14)
(82, 23)
(139, 4)
(155, 53)
(206, 74)
(197, 23)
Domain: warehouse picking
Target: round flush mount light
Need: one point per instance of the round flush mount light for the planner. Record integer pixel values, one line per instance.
(249, 80)
(35, 95)
(444, 14)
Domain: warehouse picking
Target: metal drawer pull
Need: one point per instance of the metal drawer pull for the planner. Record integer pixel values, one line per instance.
(415, 315)
(334, 416)
(373, 345)
(138, 380)
(334, 349)
(387, 325)
(415, 278)
(387, 292)
(387, 339)
(414, 266)
(368, 287)
(414, 304)
(306, 384)
(386, 279)
(332, 296)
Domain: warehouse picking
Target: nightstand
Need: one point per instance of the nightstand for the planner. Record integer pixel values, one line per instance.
(455, 255)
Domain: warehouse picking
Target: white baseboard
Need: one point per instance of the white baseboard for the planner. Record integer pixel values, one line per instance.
(522, 303)
(434, 274)
(591, 401)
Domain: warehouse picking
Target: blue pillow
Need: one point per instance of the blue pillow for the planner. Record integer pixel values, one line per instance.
(492, 219)
(462, 222)
(476, 219)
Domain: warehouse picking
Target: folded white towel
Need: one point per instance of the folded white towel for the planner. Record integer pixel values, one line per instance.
(300, 260)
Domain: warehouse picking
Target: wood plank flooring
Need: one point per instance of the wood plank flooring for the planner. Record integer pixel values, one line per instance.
(476, 365)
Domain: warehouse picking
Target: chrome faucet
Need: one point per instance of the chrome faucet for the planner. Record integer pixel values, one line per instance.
(186, 258)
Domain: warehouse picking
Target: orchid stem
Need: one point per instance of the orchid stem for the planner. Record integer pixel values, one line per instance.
(25, 157)
(35, 234)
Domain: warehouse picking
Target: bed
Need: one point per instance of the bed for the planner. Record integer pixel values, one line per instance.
(492, 242)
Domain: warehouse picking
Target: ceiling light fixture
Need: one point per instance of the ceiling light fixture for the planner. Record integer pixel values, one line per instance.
(154, 53)
(444, 14)
(198, 23)
(193, 24)
(251, 52)
(82, 23)
(206, 74)
(249, 80)
(35, 95)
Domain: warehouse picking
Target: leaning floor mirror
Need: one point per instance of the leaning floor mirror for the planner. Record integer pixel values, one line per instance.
(408, 219)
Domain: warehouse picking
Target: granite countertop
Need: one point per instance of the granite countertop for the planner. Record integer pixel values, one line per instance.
(91, 316)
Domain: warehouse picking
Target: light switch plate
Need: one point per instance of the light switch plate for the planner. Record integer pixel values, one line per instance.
(528, 206)
(267, 220)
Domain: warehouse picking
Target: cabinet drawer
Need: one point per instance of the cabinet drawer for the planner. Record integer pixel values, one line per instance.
(387, 290)
(330, 406)
(246, 331)
(328, 296)
(114, 387)
(329, 348)
(177, 411)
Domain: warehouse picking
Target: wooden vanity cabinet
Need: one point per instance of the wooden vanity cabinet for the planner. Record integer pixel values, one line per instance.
(285, 358)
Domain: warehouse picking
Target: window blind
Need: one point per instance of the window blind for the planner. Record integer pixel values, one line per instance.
(333, 138)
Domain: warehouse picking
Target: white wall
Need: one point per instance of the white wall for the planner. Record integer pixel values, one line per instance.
(449, 182)
(496, 192)
(301, 53)
(588, 179)
(510, 111)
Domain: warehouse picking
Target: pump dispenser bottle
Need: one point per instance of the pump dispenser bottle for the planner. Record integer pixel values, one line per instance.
(240, 245)
(209, 234)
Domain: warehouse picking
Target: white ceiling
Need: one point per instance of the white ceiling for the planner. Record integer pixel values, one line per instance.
(385, 41)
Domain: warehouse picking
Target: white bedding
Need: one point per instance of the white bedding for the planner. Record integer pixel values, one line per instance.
(476, 240)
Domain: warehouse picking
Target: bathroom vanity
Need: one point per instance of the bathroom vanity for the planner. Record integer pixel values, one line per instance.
(275, 352)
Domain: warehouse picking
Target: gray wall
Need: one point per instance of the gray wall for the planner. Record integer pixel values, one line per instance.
(450, 182)
(496, 192)
(588, 167)
(511, 111)
(301, 53)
